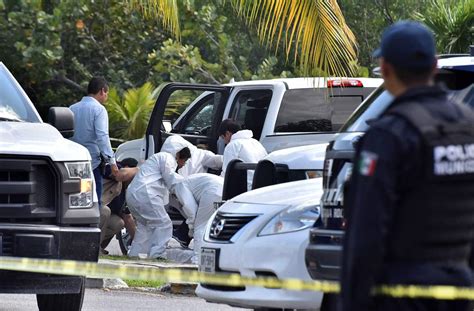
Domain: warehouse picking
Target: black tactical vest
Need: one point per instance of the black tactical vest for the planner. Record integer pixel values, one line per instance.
(434, 220)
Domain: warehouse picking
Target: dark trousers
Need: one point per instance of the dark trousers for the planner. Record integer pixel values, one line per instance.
(98, 184)
(425, 274)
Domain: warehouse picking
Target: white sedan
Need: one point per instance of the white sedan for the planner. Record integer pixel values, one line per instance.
(263, 232)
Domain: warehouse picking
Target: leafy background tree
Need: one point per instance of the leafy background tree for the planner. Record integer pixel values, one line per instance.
(452, 23)
(53, 47)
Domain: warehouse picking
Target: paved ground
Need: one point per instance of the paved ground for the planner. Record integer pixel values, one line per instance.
(103, 300)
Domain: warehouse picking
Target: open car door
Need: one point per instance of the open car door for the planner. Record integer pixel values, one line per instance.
(198, 123)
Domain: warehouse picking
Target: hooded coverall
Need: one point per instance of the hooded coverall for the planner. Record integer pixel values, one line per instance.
(242, 146)
(147, 196)
(200, 159)
(198, 193)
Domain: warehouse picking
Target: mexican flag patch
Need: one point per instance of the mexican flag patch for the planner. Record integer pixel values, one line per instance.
(367, 163)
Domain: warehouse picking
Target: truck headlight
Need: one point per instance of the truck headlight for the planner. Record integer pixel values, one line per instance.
(294, 218)
(82, 171)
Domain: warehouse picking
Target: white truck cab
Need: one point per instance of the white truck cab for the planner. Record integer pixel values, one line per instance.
(281, 113)
(47, 206)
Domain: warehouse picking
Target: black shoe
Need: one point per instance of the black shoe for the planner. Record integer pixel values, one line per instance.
(180, 234)
(183, 243)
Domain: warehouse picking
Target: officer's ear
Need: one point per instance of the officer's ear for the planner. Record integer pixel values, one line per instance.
(386, 69)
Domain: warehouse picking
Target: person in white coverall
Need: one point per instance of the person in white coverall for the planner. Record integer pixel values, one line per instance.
(147, 196)
(200, 160)
(240, 145)
(197, 194)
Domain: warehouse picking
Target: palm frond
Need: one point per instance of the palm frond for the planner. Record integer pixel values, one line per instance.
(166, 10)
(129, 114)
(452, 24)
(314, 30)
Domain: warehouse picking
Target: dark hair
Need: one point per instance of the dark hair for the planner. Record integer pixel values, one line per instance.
(410, 76)
(96, 84)
(228, 125)
(130, 162)
(184, 153)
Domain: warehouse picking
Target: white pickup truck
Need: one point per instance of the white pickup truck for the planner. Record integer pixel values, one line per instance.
(281, 113)
(48, 207)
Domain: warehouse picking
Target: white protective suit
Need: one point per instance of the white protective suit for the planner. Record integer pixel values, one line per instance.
(198, 193)
(243, 147)
(146, 196)
(200, 160)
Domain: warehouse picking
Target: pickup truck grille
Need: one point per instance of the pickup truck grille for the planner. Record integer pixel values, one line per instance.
(224, 226)
(26, 189)
(6, 244)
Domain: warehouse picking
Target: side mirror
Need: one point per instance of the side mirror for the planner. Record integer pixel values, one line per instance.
(62, 118)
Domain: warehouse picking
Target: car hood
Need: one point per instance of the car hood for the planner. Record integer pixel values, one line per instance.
(300, 158)
(39, 139)
(275, 197)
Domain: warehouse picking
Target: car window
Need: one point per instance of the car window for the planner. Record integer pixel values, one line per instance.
(13, 104)
(316, 110)
(249, 109)
(464, 96)
(200, 121)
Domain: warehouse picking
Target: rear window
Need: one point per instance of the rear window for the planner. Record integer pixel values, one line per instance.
(318, 109)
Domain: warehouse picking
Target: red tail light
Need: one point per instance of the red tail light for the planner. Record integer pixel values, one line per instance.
(344, 83)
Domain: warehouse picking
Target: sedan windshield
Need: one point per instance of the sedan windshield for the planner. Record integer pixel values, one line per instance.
(14, 105)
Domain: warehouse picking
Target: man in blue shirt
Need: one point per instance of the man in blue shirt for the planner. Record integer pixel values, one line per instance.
(91, 128)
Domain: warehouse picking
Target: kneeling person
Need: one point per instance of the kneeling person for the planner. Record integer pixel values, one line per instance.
(197, 194)
(147, 196)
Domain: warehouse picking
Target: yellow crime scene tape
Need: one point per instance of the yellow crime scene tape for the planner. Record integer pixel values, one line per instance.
(92, 269)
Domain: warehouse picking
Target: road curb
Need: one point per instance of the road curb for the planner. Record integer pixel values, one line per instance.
(105, 283)
(176, 288)
(184, 288)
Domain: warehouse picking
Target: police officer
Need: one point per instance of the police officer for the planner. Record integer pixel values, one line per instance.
(410, 202)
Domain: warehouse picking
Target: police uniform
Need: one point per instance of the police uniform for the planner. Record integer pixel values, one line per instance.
(410, 203)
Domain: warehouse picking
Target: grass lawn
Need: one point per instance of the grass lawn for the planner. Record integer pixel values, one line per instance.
(136, 283)
(142, 283)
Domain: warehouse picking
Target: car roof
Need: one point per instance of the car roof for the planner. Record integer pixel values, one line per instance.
(464, 63)
(308, 82)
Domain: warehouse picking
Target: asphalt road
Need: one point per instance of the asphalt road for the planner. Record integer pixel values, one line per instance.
(118, 300)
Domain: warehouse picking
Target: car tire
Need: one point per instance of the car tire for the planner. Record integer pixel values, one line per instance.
(56, 302)
(330, 302)
(125, 241)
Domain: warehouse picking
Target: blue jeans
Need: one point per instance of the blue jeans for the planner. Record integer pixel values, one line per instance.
(98, 184)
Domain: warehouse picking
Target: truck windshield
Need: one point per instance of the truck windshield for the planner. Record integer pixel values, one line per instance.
(371, 108)
(14, 104)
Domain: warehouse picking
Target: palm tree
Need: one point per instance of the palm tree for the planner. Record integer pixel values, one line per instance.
(129, 114)
(452, 23)
(314, 31)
